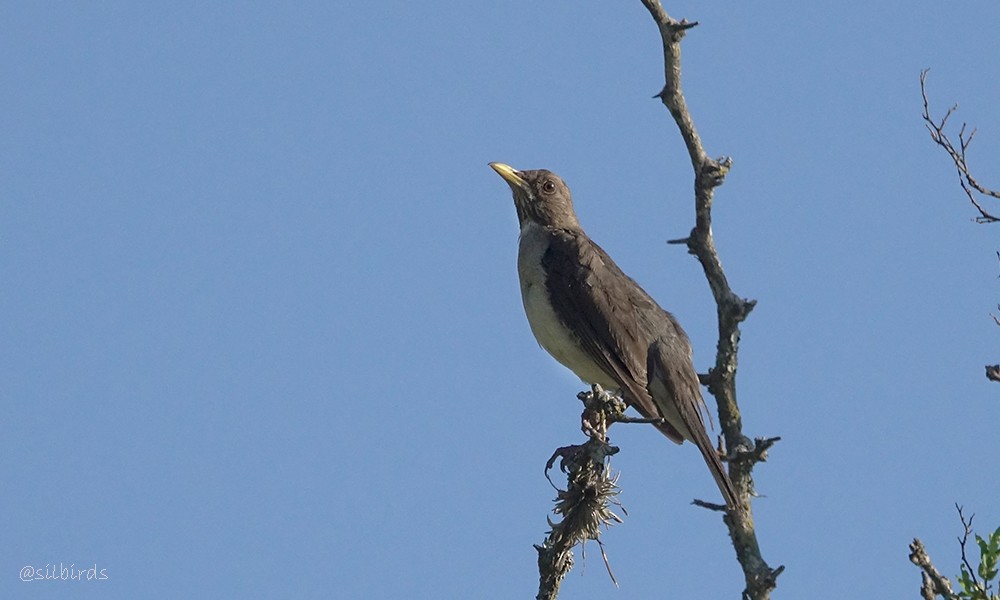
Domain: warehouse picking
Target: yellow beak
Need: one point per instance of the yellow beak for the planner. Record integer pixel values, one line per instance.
(510, 175)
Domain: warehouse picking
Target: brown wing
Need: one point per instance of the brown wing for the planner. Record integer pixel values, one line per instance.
(633, 340)
(614, 317)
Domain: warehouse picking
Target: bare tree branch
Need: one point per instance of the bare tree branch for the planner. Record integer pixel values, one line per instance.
(731, 311)
(585, 504)
(933, 583)
(969, 184)
(958, 155)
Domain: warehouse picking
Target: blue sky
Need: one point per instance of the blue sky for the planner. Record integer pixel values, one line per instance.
(262, 335)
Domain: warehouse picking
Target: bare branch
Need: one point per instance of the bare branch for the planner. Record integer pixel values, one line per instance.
(965, 179)
(958, 155)
(933, 583)
(585, 504)
(709, 173)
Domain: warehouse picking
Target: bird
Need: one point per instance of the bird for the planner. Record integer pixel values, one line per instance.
(599, 323)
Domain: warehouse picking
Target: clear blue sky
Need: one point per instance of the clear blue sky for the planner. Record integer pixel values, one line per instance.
(262, 335)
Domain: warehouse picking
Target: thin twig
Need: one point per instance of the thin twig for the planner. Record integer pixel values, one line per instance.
(958, 155)
(962, 541)
(968, 183)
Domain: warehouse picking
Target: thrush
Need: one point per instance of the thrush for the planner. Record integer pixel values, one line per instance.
(596, 321)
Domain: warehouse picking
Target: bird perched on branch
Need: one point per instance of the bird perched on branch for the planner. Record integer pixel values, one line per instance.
(598, 322)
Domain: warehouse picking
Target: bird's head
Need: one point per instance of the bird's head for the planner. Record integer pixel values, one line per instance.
(540, 197)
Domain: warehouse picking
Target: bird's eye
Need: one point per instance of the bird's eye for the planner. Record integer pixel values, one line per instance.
(548, 187)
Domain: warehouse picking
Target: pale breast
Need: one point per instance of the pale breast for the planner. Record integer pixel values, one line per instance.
(545, 324)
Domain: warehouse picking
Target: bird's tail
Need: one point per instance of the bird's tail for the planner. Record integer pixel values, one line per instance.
(718, 471)
(673, 384)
